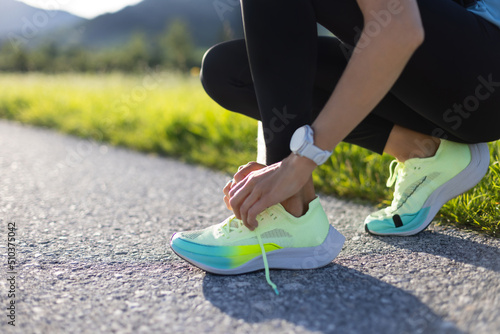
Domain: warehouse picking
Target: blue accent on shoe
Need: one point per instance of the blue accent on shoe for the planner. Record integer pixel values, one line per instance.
(410, 222)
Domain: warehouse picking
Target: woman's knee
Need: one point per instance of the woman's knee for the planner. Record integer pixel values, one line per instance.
(210, 73)
(220, 63)
(478, 130)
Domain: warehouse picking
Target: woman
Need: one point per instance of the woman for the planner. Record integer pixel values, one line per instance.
(416, 79)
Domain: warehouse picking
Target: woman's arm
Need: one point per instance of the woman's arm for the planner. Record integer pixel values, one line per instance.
(377, 61)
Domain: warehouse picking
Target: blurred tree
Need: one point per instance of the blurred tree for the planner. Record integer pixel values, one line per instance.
(13, 59)
(177, 45)
(44, 58)
(77, 59)
(5, 57)
(20, 61)
(173, 49)
(135, 55)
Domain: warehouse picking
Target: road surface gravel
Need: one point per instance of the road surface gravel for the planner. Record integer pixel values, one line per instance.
(93, 224)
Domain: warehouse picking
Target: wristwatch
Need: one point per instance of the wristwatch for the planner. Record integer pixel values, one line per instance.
(302, 143)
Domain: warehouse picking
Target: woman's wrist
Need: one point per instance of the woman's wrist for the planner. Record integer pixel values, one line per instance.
(321, 139)
(302, 164)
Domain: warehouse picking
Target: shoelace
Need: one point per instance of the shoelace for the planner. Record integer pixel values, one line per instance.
(399, 171)
(229, 227)
(226, 229)
(266, 266)
(394, 172)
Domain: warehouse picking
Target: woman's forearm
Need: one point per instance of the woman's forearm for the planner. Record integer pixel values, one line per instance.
(374, 67)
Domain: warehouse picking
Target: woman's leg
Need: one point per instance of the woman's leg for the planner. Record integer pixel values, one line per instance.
(451, 84)
(281, 39)
(227, 79)
(435, 96)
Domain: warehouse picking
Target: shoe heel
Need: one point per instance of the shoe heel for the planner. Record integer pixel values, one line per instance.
(308, 257)
(461, 183)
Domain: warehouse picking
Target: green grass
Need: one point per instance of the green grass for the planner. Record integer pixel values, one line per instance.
(166, 114)
(170, 114)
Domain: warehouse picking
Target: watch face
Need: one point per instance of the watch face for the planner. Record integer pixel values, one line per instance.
(298, 139)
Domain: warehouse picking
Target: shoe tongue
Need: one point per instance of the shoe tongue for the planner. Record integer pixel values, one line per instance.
(234, 223)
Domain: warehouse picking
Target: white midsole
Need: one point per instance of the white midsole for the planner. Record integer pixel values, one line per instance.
(287, 258)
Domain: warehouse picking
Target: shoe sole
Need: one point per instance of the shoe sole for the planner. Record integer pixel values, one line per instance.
(287, 258)
(459, 184)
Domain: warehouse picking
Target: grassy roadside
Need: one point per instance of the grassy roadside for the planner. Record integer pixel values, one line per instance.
(169, 114)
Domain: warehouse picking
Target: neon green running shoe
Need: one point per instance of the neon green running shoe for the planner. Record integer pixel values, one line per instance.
(423, 186)
(281, 241)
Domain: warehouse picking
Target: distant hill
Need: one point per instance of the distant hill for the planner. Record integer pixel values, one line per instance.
(34, 25)
(204, 17)
(21, 22)
(207, 20)
(153, 16)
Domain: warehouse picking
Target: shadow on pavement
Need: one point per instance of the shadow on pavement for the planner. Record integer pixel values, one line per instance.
(454, 248)
(332, 299)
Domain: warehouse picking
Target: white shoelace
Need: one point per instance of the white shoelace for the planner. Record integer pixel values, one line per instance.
(231, 227)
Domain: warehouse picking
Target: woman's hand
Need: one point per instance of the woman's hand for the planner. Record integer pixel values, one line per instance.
(243, 171)
(263, 187)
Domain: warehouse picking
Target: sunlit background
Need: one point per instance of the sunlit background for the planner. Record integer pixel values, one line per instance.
(84, 8)
(126, 72)
(117, 35)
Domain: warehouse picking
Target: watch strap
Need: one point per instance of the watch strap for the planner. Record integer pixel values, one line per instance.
(309, 150)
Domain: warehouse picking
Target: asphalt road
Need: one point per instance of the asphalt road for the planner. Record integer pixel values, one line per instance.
(92, 256)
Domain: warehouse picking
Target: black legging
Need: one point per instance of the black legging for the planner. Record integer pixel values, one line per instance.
(284, 74)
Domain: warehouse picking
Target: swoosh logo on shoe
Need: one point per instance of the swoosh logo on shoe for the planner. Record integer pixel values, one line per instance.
(413, 191)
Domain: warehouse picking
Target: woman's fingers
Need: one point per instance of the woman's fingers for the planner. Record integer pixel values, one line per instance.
(238, 194)
(246, 206)
(245, 193)
(243, 171)
(264, 186)
(226, 190)
(268, 186)
(228, 187)
(228, 205)
(240, 175)
(249, 191)
(252, 213)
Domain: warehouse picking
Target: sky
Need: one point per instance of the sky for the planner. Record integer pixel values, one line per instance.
(83, 8)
